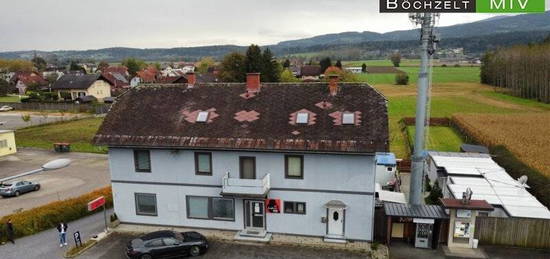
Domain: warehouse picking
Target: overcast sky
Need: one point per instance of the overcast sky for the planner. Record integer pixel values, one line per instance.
(87, 24)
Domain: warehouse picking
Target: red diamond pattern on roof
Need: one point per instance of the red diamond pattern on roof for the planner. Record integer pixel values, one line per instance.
(324, 105)
(247, 95)
(191, 116)
(338, 117)
(249, 116)
(311, 117)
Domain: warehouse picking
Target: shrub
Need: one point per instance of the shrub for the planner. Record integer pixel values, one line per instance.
(41, 218)
(374, 246)
(444, 65)
(457, 65)
(434, 196)
(401, 79)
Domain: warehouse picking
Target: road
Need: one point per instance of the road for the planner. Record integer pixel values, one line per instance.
(13, 120)
(86, 173)
(45, 245)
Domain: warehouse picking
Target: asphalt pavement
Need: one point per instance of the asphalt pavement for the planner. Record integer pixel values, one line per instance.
(45, 245)
(13, 120)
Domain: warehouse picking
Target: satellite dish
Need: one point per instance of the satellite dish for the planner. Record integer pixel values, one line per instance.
(56, 164)
(523, 181)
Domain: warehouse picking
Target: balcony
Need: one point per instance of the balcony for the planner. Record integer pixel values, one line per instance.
(245, 187)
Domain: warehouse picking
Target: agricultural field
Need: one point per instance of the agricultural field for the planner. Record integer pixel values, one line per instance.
(526, 135)
(440, 75)
(381, 62)
(440, 138)
(79, 133)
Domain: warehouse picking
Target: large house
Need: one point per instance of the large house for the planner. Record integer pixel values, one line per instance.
(254, 158)
(77, 86)
(24, 80)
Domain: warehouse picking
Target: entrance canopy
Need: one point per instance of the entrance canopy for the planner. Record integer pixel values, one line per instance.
(415, 211)
(335, 204)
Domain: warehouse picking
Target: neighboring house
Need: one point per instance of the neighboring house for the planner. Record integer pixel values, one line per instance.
(117, 80)
(148, 75)
(77, 86)
(123, 70)
(310, 72)
(57, 73)
(135, 81)
(172, 80)
(255, 158)
(24, 80)
(7, 143)
(455, 172)
(355, 70)
(186, 67)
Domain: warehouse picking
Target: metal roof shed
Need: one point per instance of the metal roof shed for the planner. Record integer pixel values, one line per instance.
(415, 211)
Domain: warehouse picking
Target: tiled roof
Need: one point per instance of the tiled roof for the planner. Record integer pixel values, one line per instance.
(29, 78)
(76, 81)
(173, 80)
(116, 79)
(148, 75)
(116, 69)
(310, 70)
(165, 116)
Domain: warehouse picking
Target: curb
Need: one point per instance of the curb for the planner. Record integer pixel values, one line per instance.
(92, 244)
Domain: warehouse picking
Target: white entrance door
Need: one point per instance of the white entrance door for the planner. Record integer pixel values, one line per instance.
(335, 222)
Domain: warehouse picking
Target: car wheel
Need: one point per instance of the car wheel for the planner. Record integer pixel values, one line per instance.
(146, 256)
(17, 193)
(194, 251)
(37, 187)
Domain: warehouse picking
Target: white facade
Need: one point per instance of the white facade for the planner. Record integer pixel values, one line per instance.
(347, 179)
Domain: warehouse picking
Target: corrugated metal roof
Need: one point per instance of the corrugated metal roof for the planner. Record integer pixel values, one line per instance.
(415, 211)
(385, 159)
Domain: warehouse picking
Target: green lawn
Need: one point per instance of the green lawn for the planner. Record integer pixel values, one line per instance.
(77, 132)
(440, 75)
(439, 138)
(9, 99)
(381, 62)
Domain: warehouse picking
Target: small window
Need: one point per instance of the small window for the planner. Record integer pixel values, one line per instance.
(197, 207)
(292, 207)
(154, 243)
(146, 204)
(348, 118)
(202, 117)
(223, 209)
(142, 161)
(302, 118)
(3, 143)
(294, 167)
(203, 163)
(390, 168)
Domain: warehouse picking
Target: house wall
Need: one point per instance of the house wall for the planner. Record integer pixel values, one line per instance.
(99, 89)
(7, 143)
(348, 178)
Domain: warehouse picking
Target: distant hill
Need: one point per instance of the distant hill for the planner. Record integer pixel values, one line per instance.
(475, 37)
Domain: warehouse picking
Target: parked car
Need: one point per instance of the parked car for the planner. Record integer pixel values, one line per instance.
(167, 244)
(86, 99)
(6, 108)
(17, 188)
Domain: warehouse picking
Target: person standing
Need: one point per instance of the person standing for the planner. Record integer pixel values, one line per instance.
(62, 229)
(10, 232)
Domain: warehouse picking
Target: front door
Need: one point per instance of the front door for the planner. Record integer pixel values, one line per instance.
(335, 222)
(254, 214)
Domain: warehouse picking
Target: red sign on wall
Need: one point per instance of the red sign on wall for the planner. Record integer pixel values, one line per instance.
(273, 205)
(93, 205)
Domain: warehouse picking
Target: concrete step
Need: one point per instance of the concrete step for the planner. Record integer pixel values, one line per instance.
(249, 238)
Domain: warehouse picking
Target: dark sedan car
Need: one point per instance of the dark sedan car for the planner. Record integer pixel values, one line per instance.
(167, 244)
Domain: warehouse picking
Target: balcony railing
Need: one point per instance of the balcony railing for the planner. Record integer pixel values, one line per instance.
(246, 187)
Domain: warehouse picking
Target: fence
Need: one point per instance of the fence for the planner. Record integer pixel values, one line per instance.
(66, 107)
(522, 232)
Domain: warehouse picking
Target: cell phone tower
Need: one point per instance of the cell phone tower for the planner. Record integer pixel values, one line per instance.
(429, 40)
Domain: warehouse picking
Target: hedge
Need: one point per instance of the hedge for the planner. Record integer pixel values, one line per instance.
(45, 217)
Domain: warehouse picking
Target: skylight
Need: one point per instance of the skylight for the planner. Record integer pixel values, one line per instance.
(302, 118)
(202, 116)
(348, 118)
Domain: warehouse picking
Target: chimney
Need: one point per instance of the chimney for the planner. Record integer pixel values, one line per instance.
(253, 82)
(191, 78)
(333, 84)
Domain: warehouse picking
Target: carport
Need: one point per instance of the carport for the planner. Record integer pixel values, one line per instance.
(421, 225)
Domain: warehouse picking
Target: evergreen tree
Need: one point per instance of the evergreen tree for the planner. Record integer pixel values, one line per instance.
(254, 59)
(4, 87)
(233, 68)
(325, 63)
(338, 64)
(270, 67)
(39, 63)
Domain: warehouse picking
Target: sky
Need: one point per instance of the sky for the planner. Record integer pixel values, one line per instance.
(92, 24)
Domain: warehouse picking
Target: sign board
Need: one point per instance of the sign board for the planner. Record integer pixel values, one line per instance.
(273, 205)
(462, 6)
(424, 221)
(463, 213)
(77, 239)
(93, 205)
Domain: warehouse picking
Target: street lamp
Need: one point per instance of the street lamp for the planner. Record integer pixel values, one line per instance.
(49, 166)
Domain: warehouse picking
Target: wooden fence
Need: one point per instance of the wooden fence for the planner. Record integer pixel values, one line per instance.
(65, 107)
(521, 232)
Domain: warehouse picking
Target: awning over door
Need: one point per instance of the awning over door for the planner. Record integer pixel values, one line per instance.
(335, 204)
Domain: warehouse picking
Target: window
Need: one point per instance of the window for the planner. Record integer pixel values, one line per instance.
(170, 241)
(302, 118)
(294, 166)
(202, 117)
(248, 167)
(154, 243)
(348, 118)
(210, 208)
(146, 204)
(293, 207)
(203, 163)
(3, 143)
(142, 161)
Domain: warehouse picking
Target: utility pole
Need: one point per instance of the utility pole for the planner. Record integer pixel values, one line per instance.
(428, 39)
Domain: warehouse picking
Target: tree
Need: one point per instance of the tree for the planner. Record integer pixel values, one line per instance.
(4, 87)
(102, 65)
(287, 76)
(204, 64)
(435, 194)
(74, 66)
(39, 63)
(254, 60)
(338, 64)
(396, 59)
(233, 68)
(16, 65)
(401, 79)
(286, 64)
(270, 69)
(325, 63)
(134, 65)
(364, 68)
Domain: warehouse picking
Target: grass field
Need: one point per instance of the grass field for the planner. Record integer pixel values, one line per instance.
(381, 62)
(440, 75)
(77, 132)
(9, 99)
(440, 138)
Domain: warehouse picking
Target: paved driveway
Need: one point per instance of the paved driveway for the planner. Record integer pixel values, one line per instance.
(12, 120)
(113, 248)
(86, 173)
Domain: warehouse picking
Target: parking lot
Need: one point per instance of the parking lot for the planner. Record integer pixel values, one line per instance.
(86, 173)
(113, 248)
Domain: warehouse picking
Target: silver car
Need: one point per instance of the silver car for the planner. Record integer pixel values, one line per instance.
(17, 188)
